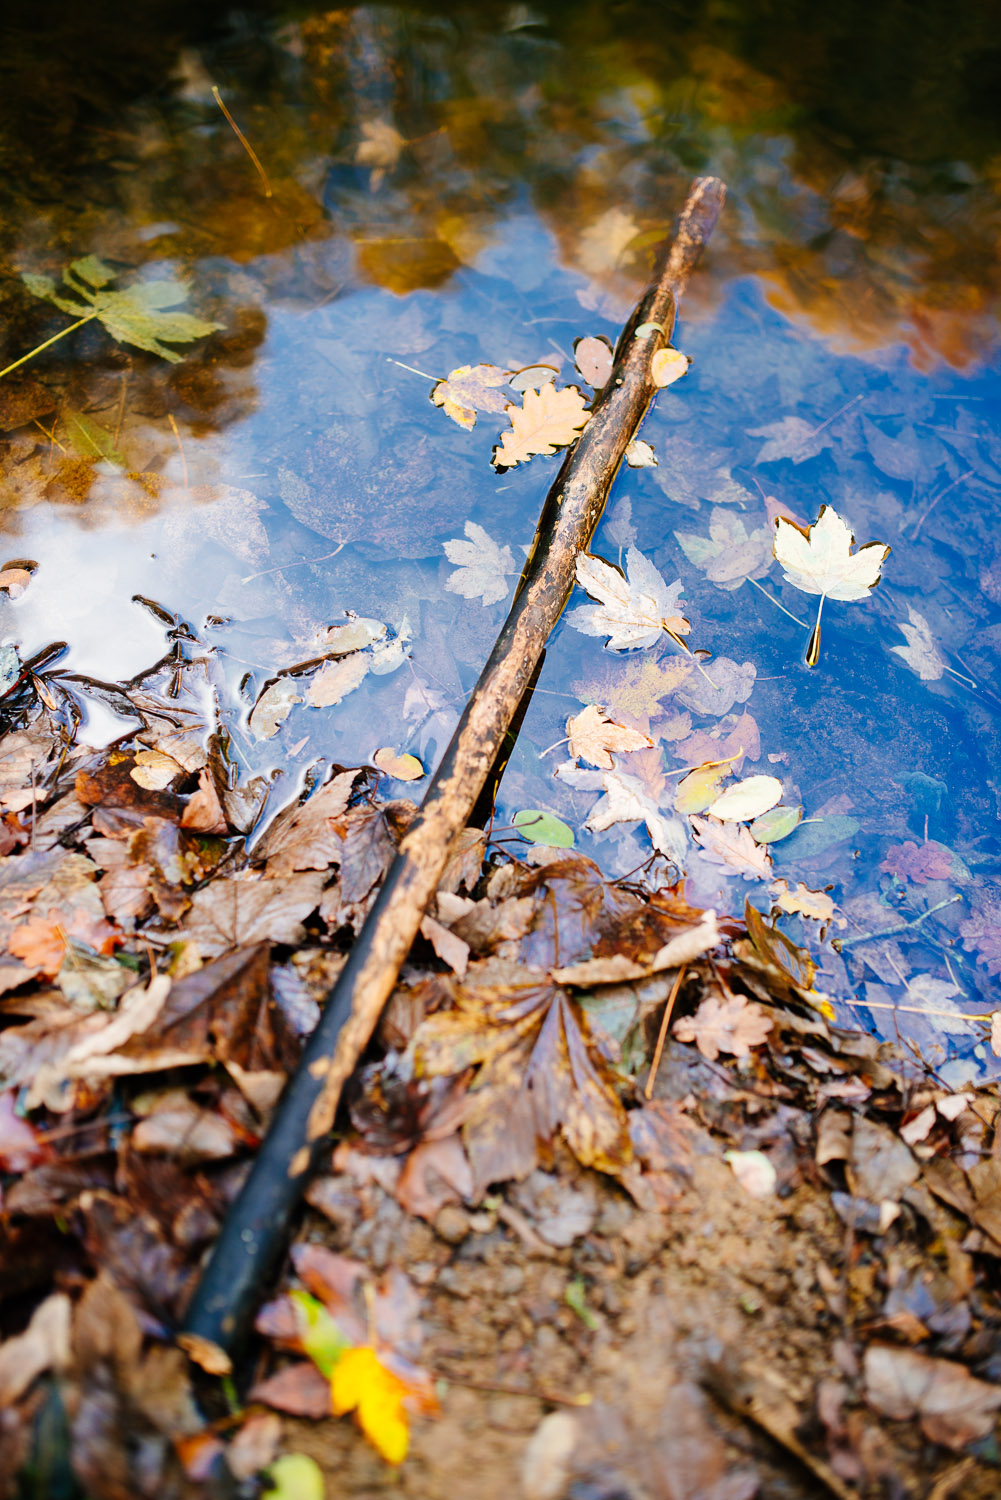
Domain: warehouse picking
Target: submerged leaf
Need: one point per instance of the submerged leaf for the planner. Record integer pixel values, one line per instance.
(921, 652)
(593, 736)
(482, 565)
(728, 844)
(138, 315)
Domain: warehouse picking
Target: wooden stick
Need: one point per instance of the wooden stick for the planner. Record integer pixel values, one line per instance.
(256, 1227)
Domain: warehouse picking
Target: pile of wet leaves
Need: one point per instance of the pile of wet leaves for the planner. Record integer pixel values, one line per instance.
(613, 1207)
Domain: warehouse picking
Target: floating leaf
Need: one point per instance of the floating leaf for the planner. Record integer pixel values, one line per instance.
(469, 389)
(593, 356)
(667, 366)
(482, 565)
(400, 767)
(747, 799)
(337, 679)
(634, 609)
(533, 378)
(777, 824)
(547, 420)
(700, 787)
(820, 560)
(640, 455)
(543, 828)
(594, 737)
(627, 800)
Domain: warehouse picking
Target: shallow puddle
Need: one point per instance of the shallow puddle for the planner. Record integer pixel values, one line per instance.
(445, 187)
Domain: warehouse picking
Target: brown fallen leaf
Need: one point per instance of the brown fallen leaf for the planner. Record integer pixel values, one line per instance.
(594, 359)
(728, 1024)
(449, 948)
(542, 1073)
(44, 1345)
(954, 1408)
(204, 811)
(547, 420)
(436, 1172)
(246, 909)
(14, 581)
(299, 1390)
(593, 737)
(303, 836)
(154, 770)
(469, 389)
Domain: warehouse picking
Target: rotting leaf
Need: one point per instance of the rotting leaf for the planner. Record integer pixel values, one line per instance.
(627, 800)
(542, 1072)
(547, 420)
(921, 653)
(634, 609)
(729, 1024)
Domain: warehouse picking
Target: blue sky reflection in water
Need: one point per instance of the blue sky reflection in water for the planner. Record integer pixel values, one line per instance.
(450, 189)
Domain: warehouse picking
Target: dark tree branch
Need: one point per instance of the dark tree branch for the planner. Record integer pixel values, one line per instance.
(254, 1235)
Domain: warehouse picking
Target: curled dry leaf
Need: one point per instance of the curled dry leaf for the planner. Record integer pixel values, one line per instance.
(469, 389)
(747, 799)
(594, 737)
(634, 609)
(732, 1025)
(399, 767)
(547, 420)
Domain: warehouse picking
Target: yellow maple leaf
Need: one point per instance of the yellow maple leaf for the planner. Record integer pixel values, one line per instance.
(361, 1382)
(469, 389)
(548, 419)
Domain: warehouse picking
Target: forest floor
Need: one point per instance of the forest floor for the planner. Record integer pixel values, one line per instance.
(764, 1263)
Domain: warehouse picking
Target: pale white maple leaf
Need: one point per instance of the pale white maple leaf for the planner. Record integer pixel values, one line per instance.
(626, 800)
(640, 455)
(482, 565)
(820, 560)
(593, 737)
(633, 610)
(731, 844)
(921, 652)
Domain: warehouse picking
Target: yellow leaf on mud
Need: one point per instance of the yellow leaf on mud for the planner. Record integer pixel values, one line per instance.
(667, 366)
(469, 389)
(361, 1383)
(400, 767)
(548, 419)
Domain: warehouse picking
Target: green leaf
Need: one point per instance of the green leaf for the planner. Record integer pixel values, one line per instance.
(294, 1476)
(320, 1336)
(776, 824)
(91, 440)
(45, 288)
(132, 319)
(91, 270)
(543, 828)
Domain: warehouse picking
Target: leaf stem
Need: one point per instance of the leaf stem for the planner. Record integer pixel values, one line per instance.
(48, 342)
(243, 141)
(813, 646)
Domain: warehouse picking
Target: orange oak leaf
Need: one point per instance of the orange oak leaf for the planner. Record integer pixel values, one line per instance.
(548, 419)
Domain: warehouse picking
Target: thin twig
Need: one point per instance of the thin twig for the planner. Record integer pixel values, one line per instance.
(48, 342)
(243, 142)
(665, 1022)
(180, 449)
(840, 944)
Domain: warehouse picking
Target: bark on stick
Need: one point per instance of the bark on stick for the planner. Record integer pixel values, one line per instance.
(256, 1229)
